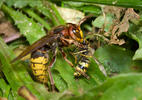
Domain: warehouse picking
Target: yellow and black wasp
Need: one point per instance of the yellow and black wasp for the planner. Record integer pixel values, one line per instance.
(59, 37)
(82, 56)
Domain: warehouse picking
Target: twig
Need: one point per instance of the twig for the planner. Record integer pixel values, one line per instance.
(25, 93)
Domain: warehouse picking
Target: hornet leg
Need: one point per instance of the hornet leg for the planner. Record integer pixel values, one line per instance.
(65, 57)
(49, 71)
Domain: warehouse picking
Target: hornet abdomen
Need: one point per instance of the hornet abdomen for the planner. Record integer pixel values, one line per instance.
(39, 60)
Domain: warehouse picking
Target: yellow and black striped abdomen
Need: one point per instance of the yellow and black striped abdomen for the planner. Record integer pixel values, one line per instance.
(82, 66)
(83, 61)
(39, 66)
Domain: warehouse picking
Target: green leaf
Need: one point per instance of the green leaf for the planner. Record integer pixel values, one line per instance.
(36, 17)
(30, 29)
(138, 54)
(87, 8)
(55, 13)
(124, 3)
(1, 2)
(101, 20)
(66, 72)
(11, 96)
(91, 9)
(23, 3)
(5, 88)
(122, 87)
(5, 57)
(135, 32)
(72, 4)
(49, 10)
(60, 83)
(116, 59)
(38, 5)
(15, 44)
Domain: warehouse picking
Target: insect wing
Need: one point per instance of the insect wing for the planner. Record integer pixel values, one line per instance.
(37, 45)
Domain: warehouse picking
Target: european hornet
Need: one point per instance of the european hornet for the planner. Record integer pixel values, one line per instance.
(60, 36)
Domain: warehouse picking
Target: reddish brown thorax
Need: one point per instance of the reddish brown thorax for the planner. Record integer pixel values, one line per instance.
(70, 31)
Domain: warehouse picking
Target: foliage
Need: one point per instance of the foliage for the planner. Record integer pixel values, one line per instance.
(114, 32)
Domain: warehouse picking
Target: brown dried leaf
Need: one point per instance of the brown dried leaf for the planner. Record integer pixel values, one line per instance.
(119, 26)
(115, 40)
(123, 26)
(117, 11)
(8, 31)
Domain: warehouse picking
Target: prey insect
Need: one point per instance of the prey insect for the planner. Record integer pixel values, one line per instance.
(82, 57)
(59, 37)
